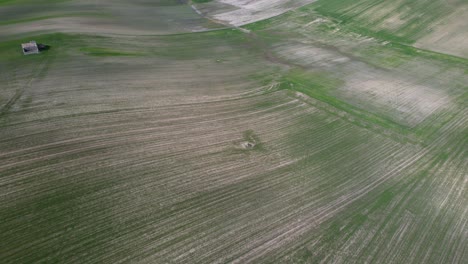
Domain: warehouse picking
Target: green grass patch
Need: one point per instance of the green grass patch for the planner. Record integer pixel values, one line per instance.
(106, 52)
(393, 55)
(58, 42)
(31, 19)
(202, 45)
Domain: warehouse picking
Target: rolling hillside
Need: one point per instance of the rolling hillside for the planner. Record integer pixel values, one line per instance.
(234, 132)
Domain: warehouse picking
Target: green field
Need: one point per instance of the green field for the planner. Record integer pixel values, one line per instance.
(234, 132)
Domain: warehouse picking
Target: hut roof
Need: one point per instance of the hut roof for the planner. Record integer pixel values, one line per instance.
(30, 48)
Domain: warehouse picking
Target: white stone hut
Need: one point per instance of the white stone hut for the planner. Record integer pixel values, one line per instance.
(30, 48)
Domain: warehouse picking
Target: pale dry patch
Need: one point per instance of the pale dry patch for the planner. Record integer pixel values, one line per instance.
(403, 100)
(319, 20)
(249, 11)
(394, 21)
(310, 55)
(449, 36)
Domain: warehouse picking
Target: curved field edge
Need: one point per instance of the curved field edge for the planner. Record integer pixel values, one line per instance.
(101, 18)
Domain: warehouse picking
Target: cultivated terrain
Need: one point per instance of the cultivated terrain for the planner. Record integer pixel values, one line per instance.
(234, 131)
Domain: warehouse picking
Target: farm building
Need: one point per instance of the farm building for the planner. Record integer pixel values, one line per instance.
(30, 48)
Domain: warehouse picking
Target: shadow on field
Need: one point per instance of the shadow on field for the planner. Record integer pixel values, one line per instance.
(43, 47)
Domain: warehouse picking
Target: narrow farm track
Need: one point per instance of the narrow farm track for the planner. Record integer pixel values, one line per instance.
(296, 139)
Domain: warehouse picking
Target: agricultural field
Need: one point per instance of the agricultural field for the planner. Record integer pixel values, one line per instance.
(234, 131)
(118, 17)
